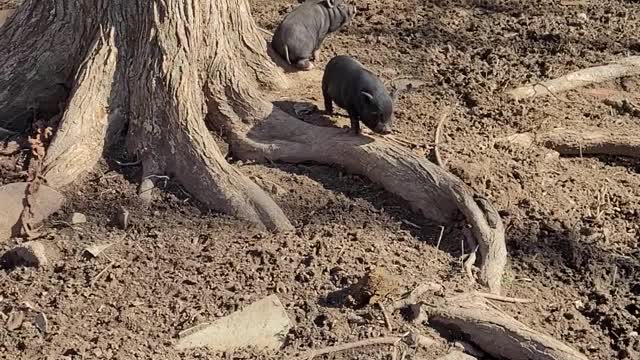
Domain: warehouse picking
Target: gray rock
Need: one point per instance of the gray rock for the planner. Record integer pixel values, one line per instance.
(45, 202)
(78, 218)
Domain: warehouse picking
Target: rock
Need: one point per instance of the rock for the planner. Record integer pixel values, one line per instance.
(145, 191)
(41, 322)
(263, 324)
(15, 320)
(45, 202)
(32, 253)
(78, 218)
(551, 155)
(123, 218)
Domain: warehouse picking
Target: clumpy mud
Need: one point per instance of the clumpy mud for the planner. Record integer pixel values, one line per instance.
(573, 223)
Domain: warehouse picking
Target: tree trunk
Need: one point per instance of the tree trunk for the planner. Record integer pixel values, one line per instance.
(150, 63)
(172, 69)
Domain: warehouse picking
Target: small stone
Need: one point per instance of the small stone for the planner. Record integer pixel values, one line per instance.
(15, 320)
(551, 155)
(78, 218)
(41, 322)
(123, 218)
(145, 191)
(582, 17)
(32, 253)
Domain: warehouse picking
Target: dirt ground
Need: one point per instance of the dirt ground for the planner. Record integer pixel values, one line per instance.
(573, 223)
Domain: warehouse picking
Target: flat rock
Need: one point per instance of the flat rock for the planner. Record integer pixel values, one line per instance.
(263, 324)
(45, 202)
(78, 218)
(32, 253)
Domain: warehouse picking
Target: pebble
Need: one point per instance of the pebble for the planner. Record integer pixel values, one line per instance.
(78, 218)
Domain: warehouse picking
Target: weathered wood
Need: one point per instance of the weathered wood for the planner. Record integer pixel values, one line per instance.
(629, 66)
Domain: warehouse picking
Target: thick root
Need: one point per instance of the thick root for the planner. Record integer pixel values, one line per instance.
(437, 194)
(629, 66)
(572, 142)
(496, 333)
(86, 124)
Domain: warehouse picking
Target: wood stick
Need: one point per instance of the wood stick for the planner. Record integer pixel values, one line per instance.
(629, 66)
(387, 321)
(436, 146)
(504, 298)
(389, 340)
(574, 142)
(95, 279)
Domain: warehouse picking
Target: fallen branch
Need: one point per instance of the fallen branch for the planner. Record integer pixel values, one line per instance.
(496, 333)
(629, 66)
(574, 142)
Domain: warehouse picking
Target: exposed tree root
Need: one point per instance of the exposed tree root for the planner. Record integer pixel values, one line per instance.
(82, 134)
(629, 66)
(497, 333)
(573, 142)
(283, 138)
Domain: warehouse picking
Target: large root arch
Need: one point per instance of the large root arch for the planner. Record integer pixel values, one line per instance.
(170, 70)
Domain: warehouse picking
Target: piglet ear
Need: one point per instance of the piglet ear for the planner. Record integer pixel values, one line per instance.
(367, 97)
(329, 3)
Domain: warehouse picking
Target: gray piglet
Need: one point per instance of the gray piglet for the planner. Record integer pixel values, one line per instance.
(354, 88)
(300, 34)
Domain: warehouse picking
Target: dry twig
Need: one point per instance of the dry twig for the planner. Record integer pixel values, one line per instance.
(440, 237)
(390, 340)
(387, 321)
(95, 279)
(504, 298)
(436, 146)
